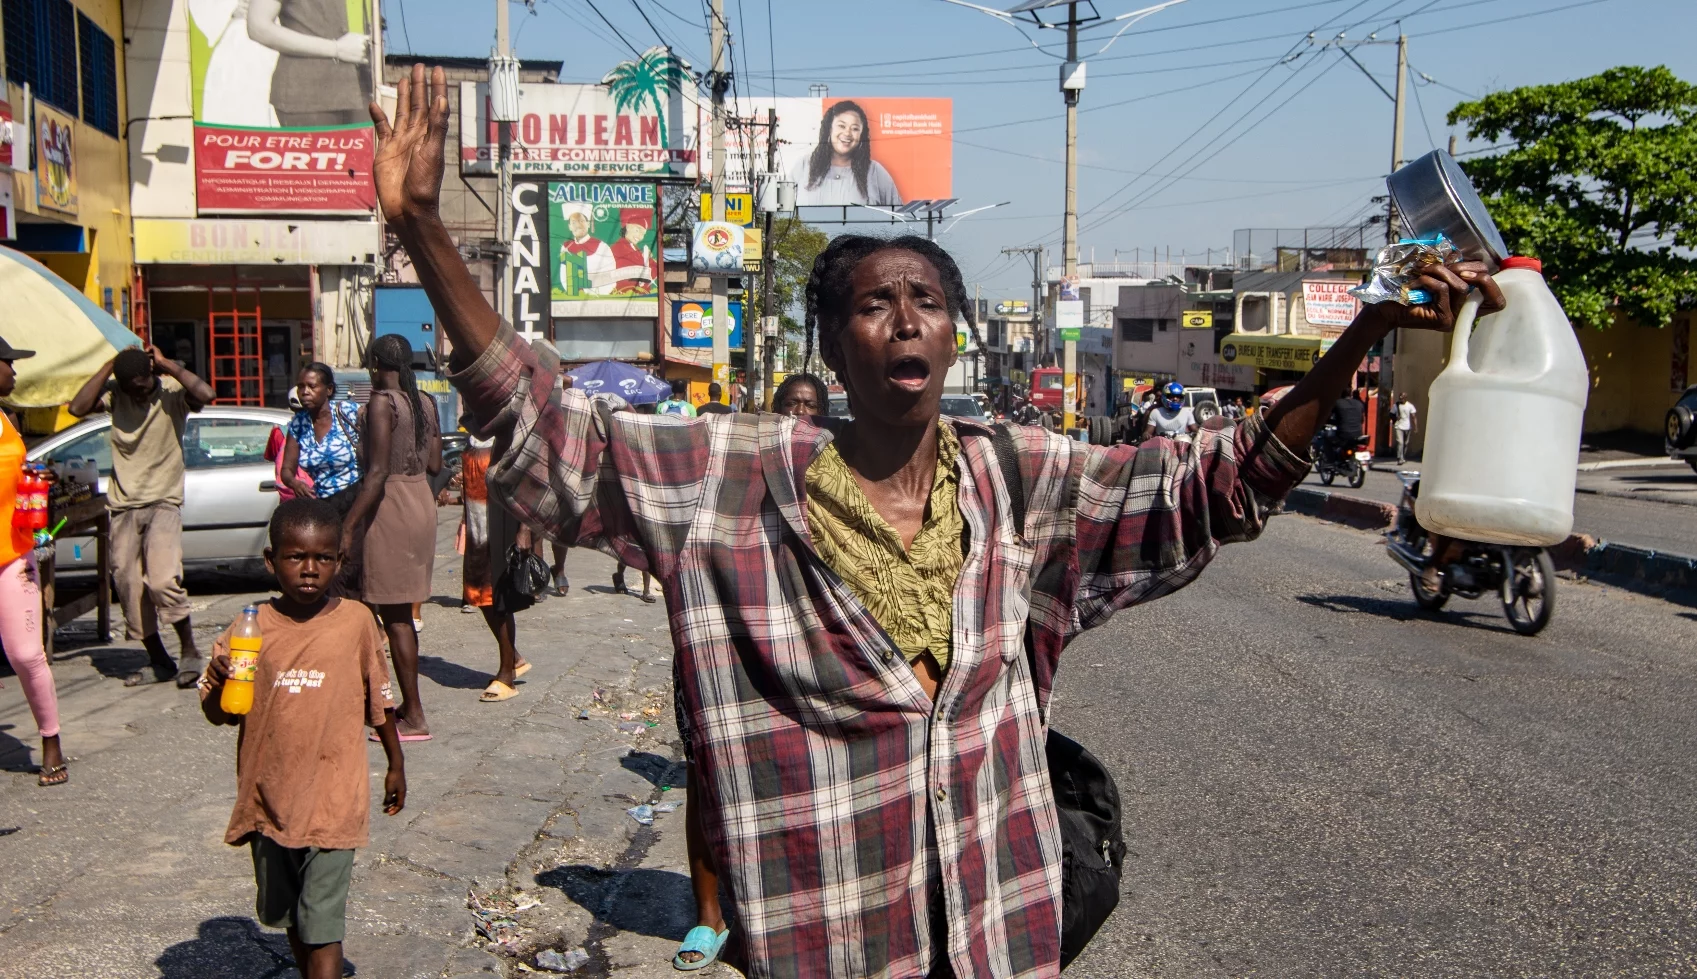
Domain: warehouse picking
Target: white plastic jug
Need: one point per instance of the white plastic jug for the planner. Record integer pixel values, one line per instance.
(1503, 426)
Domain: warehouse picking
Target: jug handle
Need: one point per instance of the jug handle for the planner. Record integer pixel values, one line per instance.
(1463, 331)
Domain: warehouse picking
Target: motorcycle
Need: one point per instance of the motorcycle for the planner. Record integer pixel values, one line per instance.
(1332, 458)
(1524, 578)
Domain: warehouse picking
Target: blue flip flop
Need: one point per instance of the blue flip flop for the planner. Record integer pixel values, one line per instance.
(703, 941)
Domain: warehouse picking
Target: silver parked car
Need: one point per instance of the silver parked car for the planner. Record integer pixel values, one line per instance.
(229, 492)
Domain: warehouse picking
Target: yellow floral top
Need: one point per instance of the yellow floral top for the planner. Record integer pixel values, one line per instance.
(910, 592)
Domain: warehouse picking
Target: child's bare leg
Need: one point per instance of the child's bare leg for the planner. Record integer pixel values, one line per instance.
(316, 961)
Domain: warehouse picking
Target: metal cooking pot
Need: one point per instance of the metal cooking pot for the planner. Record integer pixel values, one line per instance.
(1433, 194)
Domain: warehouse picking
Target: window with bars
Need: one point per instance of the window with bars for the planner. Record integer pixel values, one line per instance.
(99, 76)
(41, 50)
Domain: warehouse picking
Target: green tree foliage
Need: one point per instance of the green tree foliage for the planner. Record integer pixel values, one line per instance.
(794, 247)
(1601, 185)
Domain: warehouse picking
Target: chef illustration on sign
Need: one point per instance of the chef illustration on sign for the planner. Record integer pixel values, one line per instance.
(587, 265)
(637, 269)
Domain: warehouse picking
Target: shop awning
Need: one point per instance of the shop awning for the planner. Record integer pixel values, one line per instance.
(71, 336)
(1283, 353)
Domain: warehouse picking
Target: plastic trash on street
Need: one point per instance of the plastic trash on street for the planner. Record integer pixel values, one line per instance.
(570, 960)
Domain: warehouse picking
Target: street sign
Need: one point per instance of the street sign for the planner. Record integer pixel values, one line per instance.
(739, 208)
(1197, 319)
(717, 248)
(1070, 334)
(1007, 306)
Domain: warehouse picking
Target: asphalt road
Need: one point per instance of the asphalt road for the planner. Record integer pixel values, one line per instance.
(1318, 781)
(1655, 522)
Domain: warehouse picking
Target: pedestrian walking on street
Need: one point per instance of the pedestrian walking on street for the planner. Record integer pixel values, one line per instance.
(322, 453)
(303, 789)
(678, 403)
(714, 406)
(489, 531)
(21, 608)
(1407, 423)
(149, 397)
(395, 513)
(862, 683)
(801, 395)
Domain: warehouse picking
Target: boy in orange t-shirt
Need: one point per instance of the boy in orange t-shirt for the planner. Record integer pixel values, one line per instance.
(303, 795)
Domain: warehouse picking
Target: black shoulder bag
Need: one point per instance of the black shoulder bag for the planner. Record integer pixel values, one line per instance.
(1086, 798)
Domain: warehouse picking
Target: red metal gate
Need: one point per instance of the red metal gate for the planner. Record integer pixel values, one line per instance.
(237, 369)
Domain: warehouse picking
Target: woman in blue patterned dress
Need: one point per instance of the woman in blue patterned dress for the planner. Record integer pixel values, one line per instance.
(323, 443)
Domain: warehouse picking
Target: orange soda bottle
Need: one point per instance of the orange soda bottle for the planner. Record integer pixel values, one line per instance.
(245, 640)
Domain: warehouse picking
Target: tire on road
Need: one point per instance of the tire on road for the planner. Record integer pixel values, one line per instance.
(1529, 568)
(1679, 427)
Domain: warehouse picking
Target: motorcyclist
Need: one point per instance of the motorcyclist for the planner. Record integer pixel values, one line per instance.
(1172, 417)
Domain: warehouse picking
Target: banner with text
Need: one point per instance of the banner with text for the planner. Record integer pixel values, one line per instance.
(529, 259)
(279, 90)
(639, 122)
(879, 151)
(692, 324)
(1285, 353)
(607, 259)
(1327, 302)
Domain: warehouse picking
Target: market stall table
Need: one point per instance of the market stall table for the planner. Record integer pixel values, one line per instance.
(89, 518)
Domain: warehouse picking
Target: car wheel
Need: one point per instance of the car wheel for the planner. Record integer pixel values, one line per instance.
(1205, 410)
(1678, 426)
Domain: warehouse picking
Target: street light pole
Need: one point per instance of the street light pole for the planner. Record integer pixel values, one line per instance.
(721, 285)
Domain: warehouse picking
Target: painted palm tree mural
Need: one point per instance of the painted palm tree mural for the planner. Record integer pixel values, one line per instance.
(646, 82)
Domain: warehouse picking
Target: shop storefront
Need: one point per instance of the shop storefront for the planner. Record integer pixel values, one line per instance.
(246, 303)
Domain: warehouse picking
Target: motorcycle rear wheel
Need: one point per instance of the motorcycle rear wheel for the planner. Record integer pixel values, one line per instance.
(1529, 590)
(1429, 601)
(1357, 476)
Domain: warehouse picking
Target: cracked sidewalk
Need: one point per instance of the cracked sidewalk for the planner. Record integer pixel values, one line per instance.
(123, 873)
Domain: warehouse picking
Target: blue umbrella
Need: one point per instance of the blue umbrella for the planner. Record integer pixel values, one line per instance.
(613, 377)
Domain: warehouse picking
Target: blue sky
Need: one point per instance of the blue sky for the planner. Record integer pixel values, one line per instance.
(1303, 143)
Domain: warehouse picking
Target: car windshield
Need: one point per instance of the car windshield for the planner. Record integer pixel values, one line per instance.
(962, 405)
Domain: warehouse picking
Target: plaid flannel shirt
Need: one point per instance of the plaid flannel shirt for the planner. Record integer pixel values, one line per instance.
(849, 814)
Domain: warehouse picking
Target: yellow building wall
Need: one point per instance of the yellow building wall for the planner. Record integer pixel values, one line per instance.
(1633, 381)
(103, 183)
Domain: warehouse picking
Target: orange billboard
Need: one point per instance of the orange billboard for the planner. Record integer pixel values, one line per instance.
(884, 152)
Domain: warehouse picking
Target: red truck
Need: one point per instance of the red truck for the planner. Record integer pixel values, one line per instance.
(1047, 384)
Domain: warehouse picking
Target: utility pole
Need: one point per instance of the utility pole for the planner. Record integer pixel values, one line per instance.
(1072, 83)
(767, 273)
(1036, 254)
(1396, 131)
(721, 285)
(504, 179)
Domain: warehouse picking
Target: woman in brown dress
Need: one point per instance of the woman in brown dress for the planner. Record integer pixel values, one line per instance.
(397, 514)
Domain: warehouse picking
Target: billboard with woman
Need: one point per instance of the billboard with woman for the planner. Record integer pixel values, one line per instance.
(279, 90)
(883, 152)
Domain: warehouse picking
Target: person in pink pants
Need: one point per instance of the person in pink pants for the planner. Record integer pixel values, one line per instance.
(20, 592)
